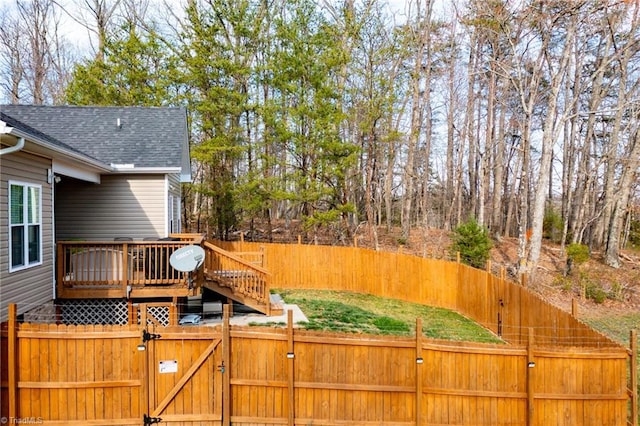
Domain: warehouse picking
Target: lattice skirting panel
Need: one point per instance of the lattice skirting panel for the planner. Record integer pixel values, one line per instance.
(94, 311)
(158, 315)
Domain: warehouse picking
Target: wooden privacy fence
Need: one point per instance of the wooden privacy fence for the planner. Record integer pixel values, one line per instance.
(554, 370)
(505, 307)
(97, 375)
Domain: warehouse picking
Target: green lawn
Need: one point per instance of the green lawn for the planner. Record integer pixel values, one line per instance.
(358, 313)
(618, 327)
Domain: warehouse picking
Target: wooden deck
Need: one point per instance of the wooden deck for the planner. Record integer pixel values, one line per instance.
(141, 270)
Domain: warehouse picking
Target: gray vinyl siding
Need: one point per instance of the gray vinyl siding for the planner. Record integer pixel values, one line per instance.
(120, 206)
(30, 287)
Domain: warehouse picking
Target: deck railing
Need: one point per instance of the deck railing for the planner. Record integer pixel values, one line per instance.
(241, 273)
(110, 269)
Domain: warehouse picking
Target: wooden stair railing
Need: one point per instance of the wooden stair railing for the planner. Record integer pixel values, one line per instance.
(236, 278)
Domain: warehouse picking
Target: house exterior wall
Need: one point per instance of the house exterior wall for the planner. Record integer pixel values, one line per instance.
(120, 206)
(32, 286)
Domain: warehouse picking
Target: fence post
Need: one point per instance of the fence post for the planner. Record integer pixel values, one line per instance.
(12, 347)
(290, 365)
(146, 372)
(226, 353)
(634, 377)
(173, 311)
(530, 388)
(419, 362)
(574, 307)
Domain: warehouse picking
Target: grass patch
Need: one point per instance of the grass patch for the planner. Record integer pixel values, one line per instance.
(617, 327)
(359, 313)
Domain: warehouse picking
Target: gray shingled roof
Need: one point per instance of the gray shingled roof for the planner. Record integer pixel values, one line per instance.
(36, 134)
(146, 137)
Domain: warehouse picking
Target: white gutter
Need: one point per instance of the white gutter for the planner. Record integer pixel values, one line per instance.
(16, 147)
(5, 130)
(131, 169)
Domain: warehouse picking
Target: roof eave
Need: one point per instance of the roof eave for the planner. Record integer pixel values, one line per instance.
(83, 159)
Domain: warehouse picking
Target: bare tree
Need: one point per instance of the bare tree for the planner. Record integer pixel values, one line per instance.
(97, 16)
(13, 50)
(36, 59)
(553, 123)
(420, 92)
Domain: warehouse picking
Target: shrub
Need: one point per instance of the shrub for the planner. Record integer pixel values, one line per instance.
(578, 253)
(473, 243)
(563, 282)
(617, 291)
(595, 292)
(552, 225)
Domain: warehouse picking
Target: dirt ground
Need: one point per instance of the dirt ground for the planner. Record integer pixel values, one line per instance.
(550, 280)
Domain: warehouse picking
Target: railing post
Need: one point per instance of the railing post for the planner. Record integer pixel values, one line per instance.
(574, 307)
(12, 347)
(634, 377)
(125, 266)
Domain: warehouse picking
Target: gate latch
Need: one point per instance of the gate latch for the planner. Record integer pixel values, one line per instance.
(146, 336)
(151, 420)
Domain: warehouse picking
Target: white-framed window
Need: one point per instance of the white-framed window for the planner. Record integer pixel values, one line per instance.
(25, 225)
(174, 214)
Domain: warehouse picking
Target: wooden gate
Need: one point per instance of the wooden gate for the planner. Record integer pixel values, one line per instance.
(184, 376)
(110, 375)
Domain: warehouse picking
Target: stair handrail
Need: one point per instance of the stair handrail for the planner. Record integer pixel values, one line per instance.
(238, 259)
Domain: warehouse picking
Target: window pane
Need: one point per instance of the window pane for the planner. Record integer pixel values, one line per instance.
(17, 206)
(34, 243)
(17, 246)
(34, 205)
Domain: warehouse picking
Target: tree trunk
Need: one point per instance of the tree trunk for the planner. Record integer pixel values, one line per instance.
(551, 130)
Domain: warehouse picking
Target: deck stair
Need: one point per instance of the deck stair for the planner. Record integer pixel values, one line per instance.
(241, 277)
